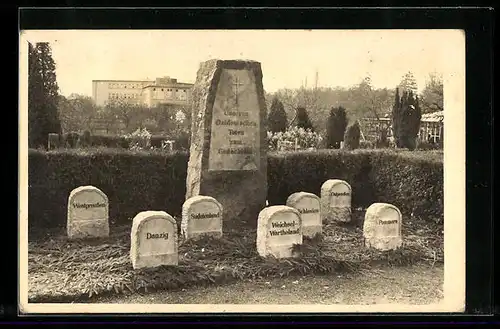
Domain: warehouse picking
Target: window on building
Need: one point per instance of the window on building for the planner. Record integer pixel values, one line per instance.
(154, 89)
(177, 90)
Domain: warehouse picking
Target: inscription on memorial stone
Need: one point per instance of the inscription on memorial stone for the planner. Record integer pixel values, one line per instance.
(235, 133)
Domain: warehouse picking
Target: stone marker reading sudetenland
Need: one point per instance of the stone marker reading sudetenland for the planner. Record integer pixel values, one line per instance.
(88, 213)
(278, 229)
(201, 216)
(308, 205)
(336, 201)
(228, 154)
(382, 227)
(153, 240)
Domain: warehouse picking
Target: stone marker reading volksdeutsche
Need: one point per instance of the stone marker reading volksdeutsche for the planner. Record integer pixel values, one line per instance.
(308, 205)
(278, 229)
(201, 215)
(336, 201)
(382, 227)
(153, 240)
(88, 213)
(228, 154)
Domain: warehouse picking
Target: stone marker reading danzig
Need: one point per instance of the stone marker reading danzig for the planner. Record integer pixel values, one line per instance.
(88, 213)
(201, 215)
(228, 154)
(382, 227)
(336, 201)
(153, 240)
(308, 205)
(278, 229)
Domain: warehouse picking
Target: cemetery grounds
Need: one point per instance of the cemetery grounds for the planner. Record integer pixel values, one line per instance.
(61, 270)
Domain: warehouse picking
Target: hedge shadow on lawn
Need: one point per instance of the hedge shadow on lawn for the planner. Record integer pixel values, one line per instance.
(76, 271)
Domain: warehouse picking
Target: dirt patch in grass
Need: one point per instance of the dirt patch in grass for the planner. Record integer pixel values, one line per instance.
(60, 270)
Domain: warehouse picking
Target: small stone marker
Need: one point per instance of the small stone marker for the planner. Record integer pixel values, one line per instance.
(278, 229)
(153, 240)
(53, 141)
(382, 227)
(336, 201)
(308, 205)
(201, 215)
(228, 152)
(88, 213)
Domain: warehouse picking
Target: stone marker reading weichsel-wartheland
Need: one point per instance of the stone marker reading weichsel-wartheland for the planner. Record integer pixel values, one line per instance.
(278, 229)
(153, 240)
(336, 201)
(228, 154)
(382, 227)
(201, 216)
(88, 213)
(308, 205)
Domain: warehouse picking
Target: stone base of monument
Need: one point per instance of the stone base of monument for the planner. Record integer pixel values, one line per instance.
(88, 229)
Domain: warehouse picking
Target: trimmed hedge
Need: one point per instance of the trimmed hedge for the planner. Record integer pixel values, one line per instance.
(156, 180)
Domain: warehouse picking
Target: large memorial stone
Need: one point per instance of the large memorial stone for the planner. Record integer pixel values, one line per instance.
(88, 213)
(278, 229)
(201, 216)
(153, 240)
(308, 205)
(228, 154)
(382, 227)
(336, 201)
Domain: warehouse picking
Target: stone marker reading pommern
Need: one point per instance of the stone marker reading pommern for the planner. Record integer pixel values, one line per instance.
(308, 205)
(278, 229)
(153, 240)
(336, 201)
(382, 227)
(228, 154)
(88, 213)
(201, 216)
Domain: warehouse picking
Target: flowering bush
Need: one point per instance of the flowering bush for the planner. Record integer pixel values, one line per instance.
(293, 139)
(139, 139)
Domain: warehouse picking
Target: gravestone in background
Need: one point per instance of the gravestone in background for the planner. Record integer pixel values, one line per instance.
(53, 141)
(382, 227)
(336, 201)
(88, 213)
(201, 215)
(278, 229)
(153, 240)
(228, 154)
(308, 205)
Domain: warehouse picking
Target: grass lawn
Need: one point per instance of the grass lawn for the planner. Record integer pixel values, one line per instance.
(418, 284)
(76, 271)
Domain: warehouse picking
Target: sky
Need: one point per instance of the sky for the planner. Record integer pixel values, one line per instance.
(342, 58)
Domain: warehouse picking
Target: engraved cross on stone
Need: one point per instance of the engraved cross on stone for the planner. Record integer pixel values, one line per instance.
(236, 84)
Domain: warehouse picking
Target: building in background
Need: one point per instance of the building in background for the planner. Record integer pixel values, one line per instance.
(149, 93)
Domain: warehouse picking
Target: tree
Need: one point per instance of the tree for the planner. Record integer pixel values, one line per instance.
(408, 83)
(43, 95)
(77, 112)
(432, 95)
(302, 119)
(406, 116)
(277, 116)
(336, 125)
(352, 136)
